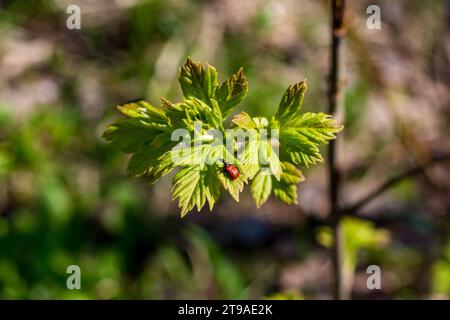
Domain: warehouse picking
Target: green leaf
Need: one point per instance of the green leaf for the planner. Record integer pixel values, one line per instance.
(317, 127)
(129, 135)
(261, 187)
(142, 109)
(193, 186)
(250, 157)
(286, 193)
(269, 156)
(286, 188)
(234, 187)
(213, 193)
(199, 82)
(145, 134)
(301, 134)
(244, 121)
(164, 166)
(187, 187)
(142, 161)
(191, 155)
(291, 102)
(299, 150)
(182, 156)
(291, 174)
(210, 175)
(184, 114)
(214, 116)
(257, 152)
(231, 92)
(300, 137)
(201, 156)
(146, 159)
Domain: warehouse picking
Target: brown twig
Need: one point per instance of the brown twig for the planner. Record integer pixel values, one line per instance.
(354, 208)
(337, 30)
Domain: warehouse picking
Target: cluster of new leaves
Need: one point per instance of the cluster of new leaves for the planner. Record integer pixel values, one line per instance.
(299, 137)
(147, 134)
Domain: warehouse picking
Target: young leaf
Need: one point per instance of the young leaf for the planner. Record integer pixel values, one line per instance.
(212, 182)
(317, 127)
(143, 109)
(163, 166)
(199, 82)
(142, 161)
(234, 187)
(291, 102)
(285, 192)
(186, 156)
(231, 92)
(129, 135)
(261, 187)
(193, 186)
(184, 114)
(257, 152)
(250, 157)
(147, 158)
(145, 134)
(188, 187)
(286, 188)
(298, 149)
(270, 158)
(291, 174)
(244, 121)
(301, 136)
(175, 156)
(214, 116)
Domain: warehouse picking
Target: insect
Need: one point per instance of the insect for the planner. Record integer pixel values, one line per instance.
(231, 170)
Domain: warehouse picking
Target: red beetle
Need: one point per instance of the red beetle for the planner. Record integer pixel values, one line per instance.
(231, 170)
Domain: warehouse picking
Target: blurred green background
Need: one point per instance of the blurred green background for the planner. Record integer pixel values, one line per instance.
(65, 198)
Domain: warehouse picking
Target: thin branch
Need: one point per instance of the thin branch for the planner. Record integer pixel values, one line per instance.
(337, 22)
(354, 208)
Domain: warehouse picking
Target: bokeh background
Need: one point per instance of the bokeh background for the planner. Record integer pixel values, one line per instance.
(65, 198)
